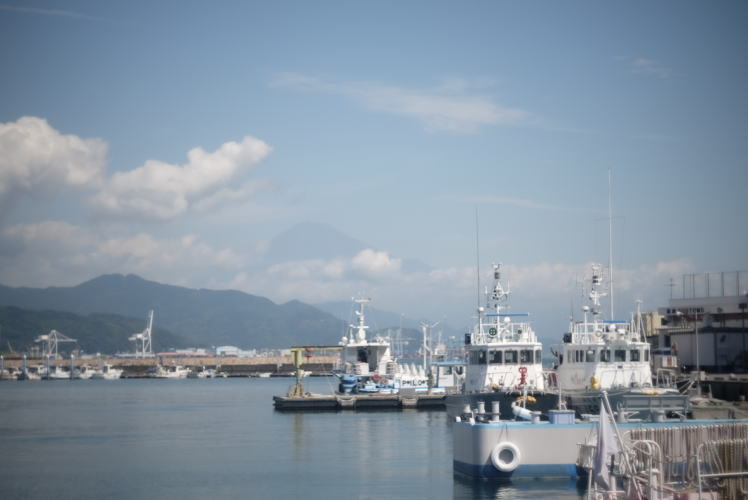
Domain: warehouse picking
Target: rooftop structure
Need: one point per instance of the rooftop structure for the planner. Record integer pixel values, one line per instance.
(705, 325)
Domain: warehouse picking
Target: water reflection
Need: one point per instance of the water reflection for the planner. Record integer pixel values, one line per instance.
(469, 488)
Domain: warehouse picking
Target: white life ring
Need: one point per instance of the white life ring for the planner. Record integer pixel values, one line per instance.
(505, 456)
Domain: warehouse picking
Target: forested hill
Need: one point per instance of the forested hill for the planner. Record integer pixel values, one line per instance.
(199, 317)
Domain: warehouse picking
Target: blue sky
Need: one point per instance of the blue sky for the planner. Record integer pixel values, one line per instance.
(391, 122)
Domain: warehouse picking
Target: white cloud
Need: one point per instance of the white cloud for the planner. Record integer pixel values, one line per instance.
(36, 159)
(448, 107)
(647, 67)
(163, 191)
(373, 263)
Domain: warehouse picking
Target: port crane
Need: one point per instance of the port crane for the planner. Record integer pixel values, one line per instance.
(143, 339)
(50, 341)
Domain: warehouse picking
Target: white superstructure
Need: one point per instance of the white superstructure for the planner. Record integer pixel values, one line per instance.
(600, 354)
(361, 356)
(503, 352)
(367, 365)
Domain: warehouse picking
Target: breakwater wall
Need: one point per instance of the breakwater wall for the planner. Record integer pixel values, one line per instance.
(274, 366)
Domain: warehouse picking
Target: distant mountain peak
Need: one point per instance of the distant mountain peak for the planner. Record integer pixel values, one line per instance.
(311, 240)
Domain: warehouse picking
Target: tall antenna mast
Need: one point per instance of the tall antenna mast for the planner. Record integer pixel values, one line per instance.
(610, 239)
(477, 256)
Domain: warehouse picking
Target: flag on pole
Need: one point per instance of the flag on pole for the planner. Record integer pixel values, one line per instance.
(607, 446)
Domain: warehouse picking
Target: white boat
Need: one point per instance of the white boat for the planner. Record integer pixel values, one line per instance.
(604, 355)
(170, 371)
(202, 373)
(27, 373)
(106, 371)
(368, 366)
(503, 357)
(562, 447)
(84, 372)
(49, 372)
(364, 365)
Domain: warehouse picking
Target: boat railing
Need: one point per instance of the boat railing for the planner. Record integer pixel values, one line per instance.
(726, 461)
(489, 333)
(665, 378)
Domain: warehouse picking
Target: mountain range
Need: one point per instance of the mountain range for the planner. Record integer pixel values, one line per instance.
(198, 317)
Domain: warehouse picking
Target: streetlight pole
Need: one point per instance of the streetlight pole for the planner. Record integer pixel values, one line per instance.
(698, 365)
(696, 338)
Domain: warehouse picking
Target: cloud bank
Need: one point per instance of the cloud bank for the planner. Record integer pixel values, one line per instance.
(56, 252)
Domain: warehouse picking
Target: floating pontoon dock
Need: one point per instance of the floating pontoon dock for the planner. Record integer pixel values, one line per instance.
(335, 402)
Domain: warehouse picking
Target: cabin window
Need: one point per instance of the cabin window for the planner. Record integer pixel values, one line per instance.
(494, 357)
(646, 355)
(510, 357)
(525, 356)
(589, 356)
(635, 354)
(538, 357)
(478, 357)
(580, 356)
(605, 355)
(620, 355)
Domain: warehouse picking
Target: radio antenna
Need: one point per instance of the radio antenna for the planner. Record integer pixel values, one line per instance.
(477, 256)
(610, 239)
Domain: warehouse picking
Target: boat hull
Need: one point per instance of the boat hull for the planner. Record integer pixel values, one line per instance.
(544, 450)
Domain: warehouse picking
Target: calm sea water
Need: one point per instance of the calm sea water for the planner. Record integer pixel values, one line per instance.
(221, 438)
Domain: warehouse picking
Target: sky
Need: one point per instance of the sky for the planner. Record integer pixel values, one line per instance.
(176, 139)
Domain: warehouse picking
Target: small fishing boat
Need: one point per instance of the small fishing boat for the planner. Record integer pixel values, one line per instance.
(168, 371)
(106, 371)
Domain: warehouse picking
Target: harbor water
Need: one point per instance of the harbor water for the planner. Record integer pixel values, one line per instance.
(221, 438)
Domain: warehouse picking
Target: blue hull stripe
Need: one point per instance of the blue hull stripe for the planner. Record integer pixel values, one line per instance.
(524, 471)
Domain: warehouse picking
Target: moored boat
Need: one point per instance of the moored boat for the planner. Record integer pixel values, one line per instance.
(503, 358)
(488, 447)
(367, 365)
(168, 371)
(106, 371)
(605, 355)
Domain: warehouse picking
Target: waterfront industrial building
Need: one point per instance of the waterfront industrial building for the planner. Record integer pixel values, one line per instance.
(706, 326)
